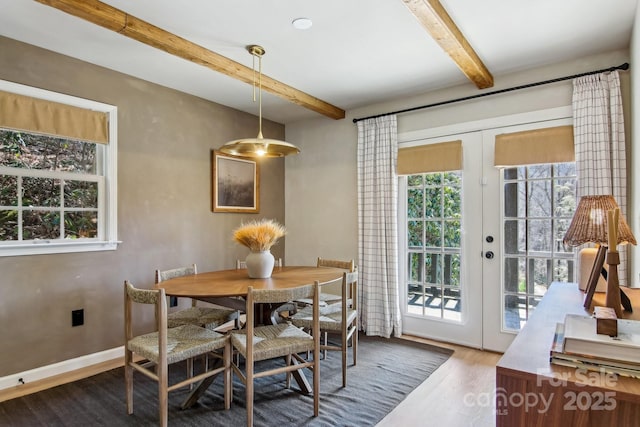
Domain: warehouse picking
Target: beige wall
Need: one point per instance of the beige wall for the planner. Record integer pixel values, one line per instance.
(321, 183)
(164, 216)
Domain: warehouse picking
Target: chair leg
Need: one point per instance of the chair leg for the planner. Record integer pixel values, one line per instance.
(163, 404)
(326, 341)
(128, 379)
(249, 389)
(288, 362)
(228, 390)
(190, 371)
(344, 351)
(316, 382)
(354, 344)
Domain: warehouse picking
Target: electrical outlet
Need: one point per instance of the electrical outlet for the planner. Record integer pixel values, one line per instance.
(77, 317)
(173, 301)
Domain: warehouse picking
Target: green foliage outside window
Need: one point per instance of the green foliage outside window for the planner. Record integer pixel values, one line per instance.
(434, 213)
(43, 201)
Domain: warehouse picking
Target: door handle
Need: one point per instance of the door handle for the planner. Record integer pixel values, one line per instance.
(488, 255)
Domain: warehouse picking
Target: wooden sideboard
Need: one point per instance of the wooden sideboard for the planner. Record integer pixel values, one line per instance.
(530, 391)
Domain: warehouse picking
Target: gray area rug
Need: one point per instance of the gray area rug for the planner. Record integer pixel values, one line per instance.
(387, 371)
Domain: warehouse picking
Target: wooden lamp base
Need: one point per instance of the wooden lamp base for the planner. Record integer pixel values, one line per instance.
(613, 285)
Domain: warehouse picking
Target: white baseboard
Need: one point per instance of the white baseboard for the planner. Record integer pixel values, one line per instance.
(60, 367)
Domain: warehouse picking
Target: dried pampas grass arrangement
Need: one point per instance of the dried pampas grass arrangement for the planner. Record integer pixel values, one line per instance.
(259, 235)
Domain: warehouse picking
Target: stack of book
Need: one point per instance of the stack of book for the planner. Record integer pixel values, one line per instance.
(576, 344)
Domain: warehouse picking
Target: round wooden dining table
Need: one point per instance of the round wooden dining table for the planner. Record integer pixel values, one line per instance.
(236, 282)
(219, 287)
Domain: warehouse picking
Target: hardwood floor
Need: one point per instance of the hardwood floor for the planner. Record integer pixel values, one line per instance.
(460, 393)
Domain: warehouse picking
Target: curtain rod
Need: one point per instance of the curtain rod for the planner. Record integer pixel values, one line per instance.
(624, 66)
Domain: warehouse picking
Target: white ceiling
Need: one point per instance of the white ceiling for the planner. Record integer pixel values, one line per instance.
(358, 52)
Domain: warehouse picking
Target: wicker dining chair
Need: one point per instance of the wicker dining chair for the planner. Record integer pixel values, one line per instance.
(208, 317)
(276, 315)
(328, 298)
(339, 318)
(166, 346)
(275, 341)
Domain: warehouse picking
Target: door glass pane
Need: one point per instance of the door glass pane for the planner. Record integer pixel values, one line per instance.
(539, 202)
(434, 218)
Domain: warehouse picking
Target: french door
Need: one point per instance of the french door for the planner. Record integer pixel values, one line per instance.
(471, 242)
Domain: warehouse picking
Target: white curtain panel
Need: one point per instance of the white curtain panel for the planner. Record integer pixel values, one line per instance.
(377, 223)
(598, 127)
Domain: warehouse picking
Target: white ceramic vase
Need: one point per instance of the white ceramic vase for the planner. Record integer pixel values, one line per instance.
(260, 264)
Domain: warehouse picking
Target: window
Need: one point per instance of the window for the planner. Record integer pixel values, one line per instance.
(539, 202)
(57, 191)
(434, 215)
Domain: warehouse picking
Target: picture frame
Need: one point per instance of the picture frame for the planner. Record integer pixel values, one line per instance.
(235, 184)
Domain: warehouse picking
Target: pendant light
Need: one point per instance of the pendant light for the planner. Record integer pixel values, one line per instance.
(259, 146)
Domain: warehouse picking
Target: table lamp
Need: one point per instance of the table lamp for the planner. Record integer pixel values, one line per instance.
(589, 225)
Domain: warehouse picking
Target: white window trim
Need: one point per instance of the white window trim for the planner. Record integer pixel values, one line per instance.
(109, 166)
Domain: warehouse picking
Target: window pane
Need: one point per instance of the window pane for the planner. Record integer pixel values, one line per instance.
(513, 173)
(415, 262)
(563, 270)
(538, 200)
(514, 275)
(515, 312)
(515, 197)
(415, 234)
(81, 194)
(415, 203)
(433, 234)
(433, 179)
(80, 225)
(8, 190)
(453, 179)
(538, 171)
(452, 270)
(564, 169)
(414, 180)
(451, 304)
(452, 234)
(40, 225)
(415, 299)
(539, 235)
(560, 229)
(513, 243)
(433, 202)
(540, 276)
(452, 202)
(8, 225)
(432, 268)
(41, 192)
(564, 193)
(34, 151)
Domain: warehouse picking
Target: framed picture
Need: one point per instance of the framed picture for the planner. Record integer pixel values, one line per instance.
(235, 185)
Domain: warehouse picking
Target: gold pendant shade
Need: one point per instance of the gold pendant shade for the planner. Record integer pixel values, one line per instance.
(259, 146)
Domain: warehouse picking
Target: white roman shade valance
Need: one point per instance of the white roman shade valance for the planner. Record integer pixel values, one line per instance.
(20, 112)
(549, 145)
(440, 157)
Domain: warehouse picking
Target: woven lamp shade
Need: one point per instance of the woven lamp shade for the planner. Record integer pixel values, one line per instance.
(589, 223)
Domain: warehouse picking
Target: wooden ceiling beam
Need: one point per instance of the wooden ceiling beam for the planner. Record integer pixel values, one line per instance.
(435, 19)
(114, 19)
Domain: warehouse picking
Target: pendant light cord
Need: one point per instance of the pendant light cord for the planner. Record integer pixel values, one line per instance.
(257, 52)
(260, 97)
